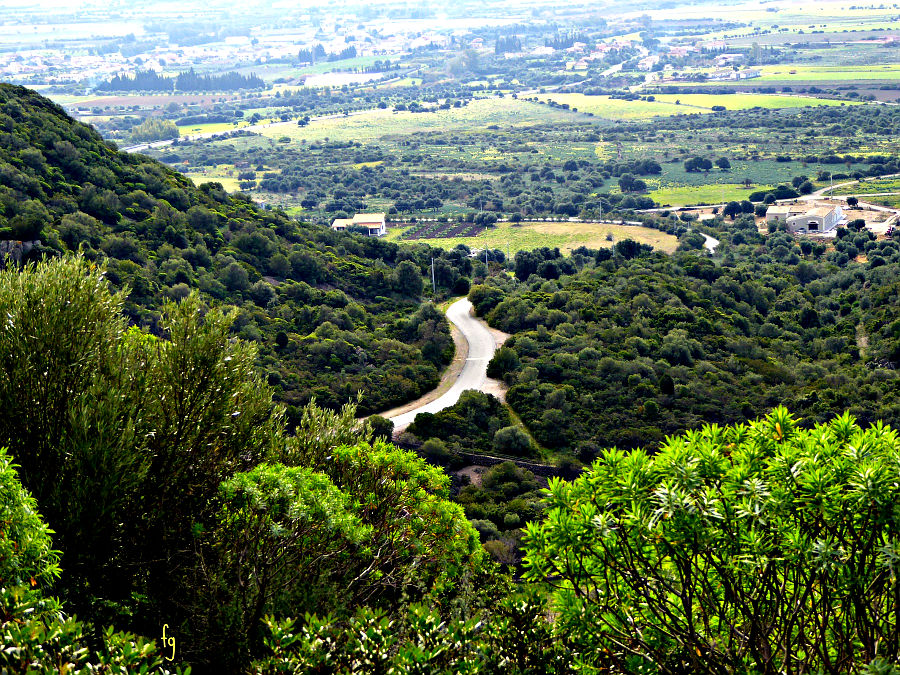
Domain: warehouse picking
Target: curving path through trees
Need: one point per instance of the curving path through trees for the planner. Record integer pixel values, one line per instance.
(473, 375)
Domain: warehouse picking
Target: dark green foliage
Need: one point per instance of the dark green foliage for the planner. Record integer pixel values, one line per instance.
(701, 342)
(469, 425)
(504, 361)
(513, 638)
(26, 557)
(177, 499)
(513, 441)
(506, 498)
(342, 302)
(37, 636)
(753, 548)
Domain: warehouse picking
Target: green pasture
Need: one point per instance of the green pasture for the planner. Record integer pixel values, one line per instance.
(374, 124)
(566, 236)
(212, 128)
(869, 186)
(746, 101)
(806, 73)
(689, 195)
(614, 108)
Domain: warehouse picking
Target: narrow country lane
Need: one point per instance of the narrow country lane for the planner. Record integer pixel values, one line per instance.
(474, 371)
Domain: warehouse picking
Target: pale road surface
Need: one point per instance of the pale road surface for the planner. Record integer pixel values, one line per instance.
(474, 372)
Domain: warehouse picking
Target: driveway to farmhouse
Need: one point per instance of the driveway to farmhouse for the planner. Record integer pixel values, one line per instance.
(475, 348)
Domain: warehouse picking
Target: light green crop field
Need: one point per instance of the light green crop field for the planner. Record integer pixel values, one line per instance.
(802, 73)
(869, 187)
(213, 128)
(702, 194)
(345, 65)
(565, 236)
(616, 109)
(746, 101)
(372, 124)
(402, 82)
(223, 174)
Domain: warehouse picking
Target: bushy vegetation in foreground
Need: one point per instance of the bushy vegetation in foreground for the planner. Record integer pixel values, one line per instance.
(174, 497)
(161, 465)
(760, 547)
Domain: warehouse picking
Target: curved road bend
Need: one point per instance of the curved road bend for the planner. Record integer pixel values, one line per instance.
(474, 371)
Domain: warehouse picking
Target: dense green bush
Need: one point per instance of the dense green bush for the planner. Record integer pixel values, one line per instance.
(176, 497)
(753, 548)
(26, 556)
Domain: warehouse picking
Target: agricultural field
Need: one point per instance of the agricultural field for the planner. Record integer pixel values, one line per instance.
(746, 101)
(563, 235)
(805, 73)
(702, 194)
(614, 108)
(214, 128)
(374, 124)
(870, 186)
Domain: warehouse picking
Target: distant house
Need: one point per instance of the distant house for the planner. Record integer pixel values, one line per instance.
(648, 62)
(779, 213)
(731, 74)
(730, 59)
(374, 223)
(800, 219)
(747, 74)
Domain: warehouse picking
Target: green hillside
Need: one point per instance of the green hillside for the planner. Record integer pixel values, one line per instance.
(333, 314)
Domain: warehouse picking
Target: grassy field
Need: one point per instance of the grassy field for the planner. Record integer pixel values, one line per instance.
(803, 73)
(891, 201)
(869, 187)
(665, 104)
(565, 236)
(224, 174)
(214, 128)
(702, 194)
(372, 124)
(746, 101)
(614, 108)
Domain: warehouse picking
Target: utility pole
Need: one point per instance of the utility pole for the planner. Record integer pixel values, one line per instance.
(433, 284)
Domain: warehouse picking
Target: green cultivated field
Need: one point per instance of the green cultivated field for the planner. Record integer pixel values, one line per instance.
(869, 186)
(782, 73)
(566, 236)
(746, 101)
(372, 124)
(665, 104)
(702, 194)
(214, 128)
(614, 108)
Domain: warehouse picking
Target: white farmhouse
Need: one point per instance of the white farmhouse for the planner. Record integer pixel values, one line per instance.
(799, 218)
(374, 223)
(819, 219)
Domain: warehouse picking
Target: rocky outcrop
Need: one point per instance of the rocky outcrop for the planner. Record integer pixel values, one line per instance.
(14, 251)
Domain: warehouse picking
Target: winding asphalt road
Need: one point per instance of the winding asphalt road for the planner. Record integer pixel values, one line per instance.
(474, 372)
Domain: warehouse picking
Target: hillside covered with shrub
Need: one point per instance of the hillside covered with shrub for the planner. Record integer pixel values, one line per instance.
(639, 345)
(332, 314)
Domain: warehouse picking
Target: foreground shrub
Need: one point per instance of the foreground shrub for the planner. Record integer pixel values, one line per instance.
(753, 548)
